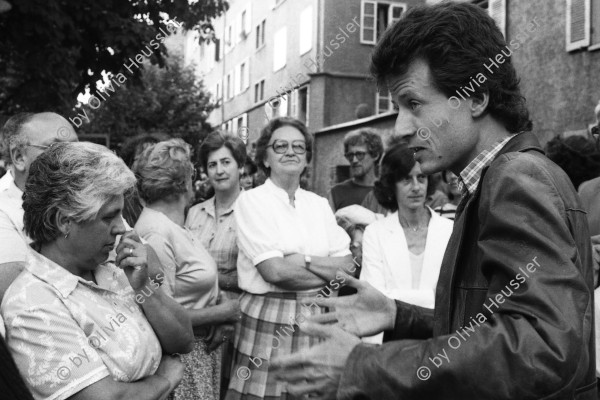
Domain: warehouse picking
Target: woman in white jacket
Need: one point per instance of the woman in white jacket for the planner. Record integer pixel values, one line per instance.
(402, 253)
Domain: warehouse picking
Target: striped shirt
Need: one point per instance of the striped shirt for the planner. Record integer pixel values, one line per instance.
(218, 236)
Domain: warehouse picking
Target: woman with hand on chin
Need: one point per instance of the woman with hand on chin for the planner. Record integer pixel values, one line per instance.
(74, 326)
(403, 252)
(290, 250)
(165, 176)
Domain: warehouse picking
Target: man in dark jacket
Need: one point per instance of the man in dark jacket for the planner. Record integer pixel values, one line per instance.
(514, 302)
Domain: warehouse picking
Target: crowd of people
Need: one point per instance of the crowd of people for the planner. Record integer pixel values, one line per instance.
(144, 276)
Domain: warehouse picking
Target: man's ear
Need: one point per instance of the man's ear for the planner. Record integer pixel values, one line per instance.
(479, 103)
(18, 156)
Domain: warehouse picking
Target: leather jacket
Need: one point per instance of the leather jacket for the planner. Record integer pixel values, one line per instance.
(514, 301)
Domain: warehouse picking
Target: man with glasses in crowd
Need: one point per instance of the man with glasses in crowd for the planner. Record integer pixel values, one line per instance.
(24, 137)
(363, 149)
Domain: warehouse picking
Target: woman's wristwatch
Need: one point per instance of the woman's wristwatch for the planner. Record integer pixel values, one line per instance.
(307, 261)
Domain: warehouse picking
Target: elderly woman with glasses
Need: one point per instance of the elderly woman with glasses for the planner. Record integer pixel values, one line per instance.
(165, 176)
(80, 327)
(290, 250)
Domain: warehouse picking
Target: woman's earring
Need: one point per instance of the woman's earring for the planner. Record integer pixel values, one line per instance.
(67, 235)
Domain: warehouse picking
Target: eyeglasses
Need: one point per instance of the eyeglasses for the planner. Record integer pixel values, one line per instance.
(281, 146)
(360, 155)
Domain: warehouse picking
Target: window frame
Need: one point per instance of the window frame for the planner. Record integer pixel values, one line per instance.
(391, 20)
(585, 42)
(260, 34)
(378, 98)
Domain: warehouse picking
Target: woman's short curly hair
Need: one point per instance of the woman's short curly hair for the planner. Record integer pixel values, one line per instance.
(75, 179)
(396, 164)
(267, 132)
(163, 169)
(215, 141)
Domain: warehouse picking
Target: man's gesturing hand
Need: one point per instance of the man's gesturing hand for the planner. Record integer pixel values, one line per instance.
(318, 370)
(365, 313)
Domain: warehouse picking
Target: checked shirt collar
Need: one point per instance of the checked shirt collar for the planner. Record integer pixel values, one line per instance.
(470, 176)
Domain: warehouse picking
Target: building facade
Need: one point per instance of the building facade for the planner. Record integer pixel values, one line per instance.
(308, 59)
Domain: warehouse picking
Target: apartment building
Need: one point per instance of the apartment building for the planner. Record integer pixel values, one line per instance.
(303, 58)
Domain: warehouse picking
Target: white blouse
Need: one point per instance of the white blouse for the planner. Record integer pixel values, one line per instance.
(388, 266)
(387, 262)
(269, 226)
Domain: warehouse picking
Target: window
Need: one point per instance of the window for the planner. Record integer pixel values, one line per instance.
(306, 29)
(229, 38)
(244, 24)
(595, 25)
(497, 10)
(259, 91)
(243, 77)
(260, 34)
(218, 91)
(279, 49)
(299, 104)
(217, 49)
(376, 17)
(277, 107)
(228, 89)
(239, 122)
(383, 103)
(583, 25)
(227, 126)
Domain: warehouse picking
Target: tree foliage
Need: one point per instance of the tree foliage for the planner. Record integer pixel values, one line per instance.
(168, 100)
(51, 50)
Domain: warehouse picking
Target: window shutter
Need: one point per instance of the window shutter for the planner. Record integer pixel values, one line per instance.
(236, 80)
(367, 17)
(497, 10)
(306, 30)
(248, 24)
(578, 24)
(246, 77)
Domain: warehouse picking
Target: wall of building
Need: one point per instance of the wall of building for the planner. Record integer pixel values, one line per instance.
(561, 88)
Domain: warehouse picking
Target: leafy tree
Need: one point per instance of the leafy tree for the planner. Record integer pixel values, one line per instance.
(168, 100)
(51, 50)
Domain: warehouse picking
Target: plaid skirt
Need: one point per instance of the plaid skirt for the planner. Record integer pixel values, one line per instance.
(269, 328)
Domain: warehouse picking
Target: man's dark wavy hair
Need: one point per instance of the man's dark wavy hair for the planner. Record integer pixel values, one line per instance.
(455, 40)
